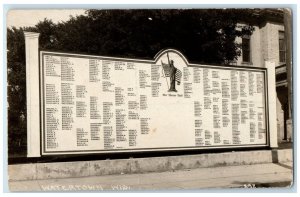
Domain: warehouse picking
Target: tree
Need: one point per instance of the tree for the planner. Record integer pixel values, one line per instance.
(16, 90)
(202, 35)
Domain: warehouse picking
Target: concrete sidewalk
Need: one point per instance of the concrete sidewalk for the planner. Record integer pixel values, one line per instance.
(259, 175)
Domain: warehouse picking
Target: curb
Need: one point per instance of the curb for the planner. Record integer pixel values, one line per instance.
(37, 171)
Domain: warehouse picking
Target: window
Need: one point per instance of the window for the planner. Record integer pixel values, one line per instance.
(281, 47)
(246, 49)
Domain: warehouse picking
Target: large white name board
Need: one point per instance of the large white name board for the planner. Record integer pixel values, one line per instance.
(94, 104)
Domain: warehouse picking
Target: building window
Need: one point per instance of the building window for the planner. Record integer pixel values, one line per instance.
(246, 49)
(281, 47)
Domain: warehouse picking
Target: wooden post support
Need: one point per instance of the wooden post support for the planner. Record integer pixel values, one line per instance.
(32, 94)
(272, 103)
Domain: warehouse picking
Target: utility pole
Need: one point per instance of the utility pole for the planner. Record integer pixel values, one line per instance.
(289, 68)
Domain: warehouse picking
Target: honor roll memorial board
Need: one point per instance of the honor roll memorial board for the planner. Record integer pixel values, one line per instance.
(95, 104)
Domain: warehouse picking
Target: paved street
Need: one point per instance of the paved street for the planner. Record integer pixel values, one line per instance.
(260, 175)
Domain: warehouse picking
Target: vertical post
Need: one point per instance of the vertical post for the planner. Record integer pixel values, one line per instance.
(288, 40)
(272, 103)
(32, 94)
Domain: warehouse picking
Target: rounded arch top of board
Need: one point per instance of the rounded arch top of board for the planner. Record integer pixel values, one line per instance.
(170, 52)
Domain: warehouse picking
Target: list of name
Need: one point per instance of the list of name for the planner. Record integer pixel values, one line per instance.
(96, 104)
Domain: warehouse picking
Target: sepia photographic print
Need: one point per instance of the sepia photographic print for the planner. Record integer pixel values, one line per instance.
(164, 99)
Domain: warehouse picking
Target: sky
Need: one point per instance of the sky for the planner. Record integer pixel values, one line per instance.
(20, 18)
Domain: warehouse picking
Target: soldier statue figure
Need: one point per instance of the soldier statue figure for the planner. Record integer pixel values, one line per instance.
(172, 70)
